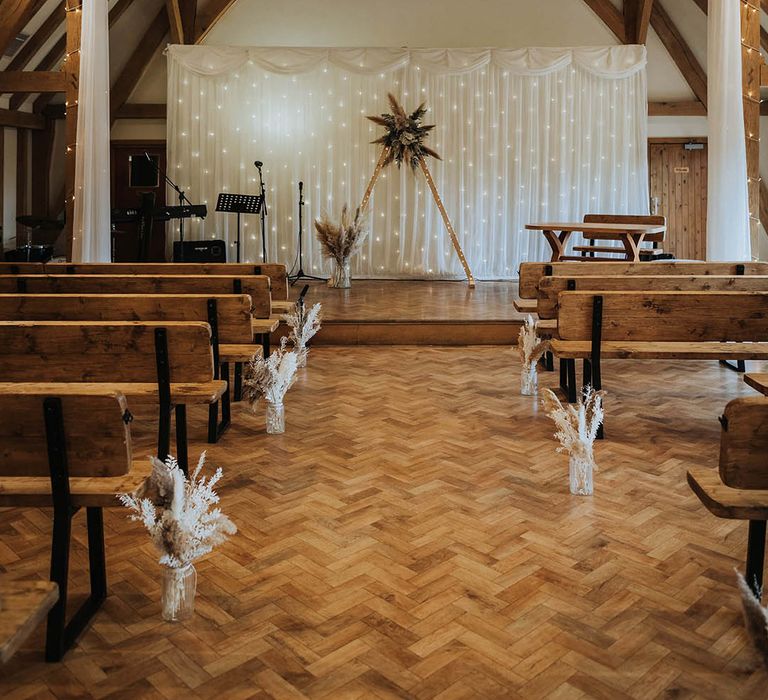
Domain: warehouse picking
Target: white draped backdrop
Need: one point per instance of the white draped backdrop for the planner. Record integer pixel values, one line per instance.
(525, 135)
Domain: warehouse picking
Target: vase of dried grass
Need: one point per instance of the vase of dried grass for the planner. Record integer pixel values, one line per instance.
(580, 472)
(178, 587)
(340, 278)
(275, 418)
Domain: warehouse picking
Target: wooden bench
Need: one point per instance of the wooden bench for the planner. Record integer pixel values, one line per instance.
(532, 272)
(550, 287)
(168, 363)
(659, 325)
(68, 451)
(229, 317)
(738, 490)
(651, 220)
(23, 606)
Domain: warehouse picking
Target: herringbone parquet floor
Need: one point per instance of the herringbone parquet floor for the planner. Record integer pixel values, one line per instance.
(411, 535)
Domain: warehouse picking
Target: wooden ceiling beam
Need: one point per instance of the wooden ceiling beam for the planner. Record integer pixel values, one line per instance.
(643, 21)
(142, 110)
(14, 16)
(132, 71)
(694, 108)
(53, 22)
(174, 20)
(637, 16)
(216, 9)
(21, 120)
(32, 81)
(679, 51)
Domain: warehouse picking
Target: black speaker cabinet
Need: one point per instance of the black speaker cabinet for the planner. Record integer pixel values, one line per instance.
(200, 251)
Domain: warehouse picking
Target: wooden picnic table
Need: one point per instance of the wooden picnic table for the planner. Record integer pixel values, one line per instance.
(758, 381)
(630, 235)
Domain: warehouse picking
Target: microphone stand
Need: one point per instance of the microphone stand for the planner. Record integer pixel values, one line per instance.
(182, 199)
(301, 275)
(262, 214)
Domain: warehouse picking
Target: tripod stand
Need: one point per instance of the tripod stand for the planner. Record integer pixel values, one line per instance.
(301, 275)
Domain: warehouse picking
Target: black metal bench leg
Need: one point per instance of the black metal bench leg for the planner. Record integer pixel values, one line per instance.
(563, 375)
(216, 429)
(55, 638)
(163, 432)
(238, 381)
(96, 556)
(740, 365)
(182, 455)
(265, 344)
(756, 556)
(571, 386)
(213, 422)
(549, 361)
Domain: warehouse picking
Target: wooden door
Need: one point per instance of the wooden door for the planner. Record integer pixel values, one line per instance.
(678, 186)
(132, 175)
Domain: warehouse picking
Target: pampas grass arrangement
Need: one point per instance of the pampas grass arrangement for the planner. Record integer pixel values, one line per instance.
(531, 349)
(183, 526)
(271, 379)
(341, 241)
(304, 324)
(755, 618)
(576, 430)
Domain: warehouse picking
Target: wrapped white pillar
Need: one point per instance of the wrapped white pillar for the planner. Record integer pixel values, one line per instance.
(91, 224)
(727, 199)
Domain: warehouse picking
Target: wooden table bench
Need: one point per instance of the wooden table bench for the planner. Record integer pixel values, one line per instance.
(660, 325)
(23, 606)
(168, 363)
(739, 489)
(228, 315)
(68, 451)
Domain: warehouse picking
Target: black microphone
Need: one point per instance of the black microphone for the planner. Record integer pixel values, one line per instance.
(258, 163)
(301, 185)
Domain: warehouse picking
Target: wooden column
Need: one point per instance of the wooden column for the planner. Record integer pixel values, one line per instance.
(71, 69)
(22, 181)
(751, 65)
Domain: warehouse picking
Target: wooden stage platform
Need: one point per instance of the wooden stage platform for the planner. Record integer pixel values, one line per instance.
(411, 312)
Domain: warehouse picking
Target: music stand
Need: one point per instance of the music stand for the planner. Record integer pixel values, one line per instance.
(238, 204)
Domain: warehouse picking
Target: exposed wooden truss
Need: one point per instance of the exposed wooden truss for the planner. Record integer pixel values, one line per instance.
(21, 120)
(35, 81)
(46, 30)
(611, 16)
(212, 13)
(637, 16)
(15, 15)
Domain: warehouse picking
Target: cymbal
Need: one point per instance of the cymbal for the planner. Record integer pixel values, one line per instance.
(39, 223)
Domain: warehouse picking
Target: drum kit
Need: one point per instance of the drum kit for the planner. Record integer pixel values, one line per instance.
(41, 235)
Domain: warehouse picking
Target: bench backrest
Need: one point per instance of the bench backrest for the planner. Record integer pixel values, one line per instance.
(97, 437)
(649, 219)
(256, 286)
(744, 443)
(92, 351)
(550, 287)
(666, 316)
(233, 311)
(532, 272)
(277, 273)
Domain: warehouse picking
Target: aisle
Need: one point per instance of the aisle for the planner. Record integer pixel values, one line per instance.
(411, 535)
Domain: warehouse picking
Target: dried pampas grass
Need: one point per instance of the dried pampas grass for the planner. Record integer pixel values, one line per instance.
(404, 138)
(270, 378)
(341, 241)
(304, 324)
(755, 618)
(576, 427)
(529, 345)
(178, 513)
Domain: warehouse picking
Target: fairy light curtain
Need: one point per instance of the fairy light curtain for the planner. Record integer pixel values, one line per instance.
(525, 135)
(91, 219)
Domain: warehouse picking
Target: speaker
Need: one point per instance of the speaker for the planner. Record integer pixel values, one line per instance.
(200, 251)
(32, 253)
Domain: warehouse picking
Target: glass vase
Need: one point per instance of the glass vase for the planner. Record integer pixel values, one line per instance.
(275, 418)
(529, 380)
(177, 592)
(340, 278)
(301, 356)
(580, 475)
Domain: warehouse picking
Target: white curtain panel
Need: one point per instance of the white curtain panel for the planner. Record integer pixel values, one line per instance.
(728, 235)
(525, 135)
(91, 224)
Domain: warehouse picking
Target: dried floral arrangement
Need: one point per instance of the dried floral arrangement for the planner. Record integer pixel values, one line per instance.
(304, 324)
(576, 430)
(755, 618)
(529, 345)
(576, 426)
(341, 241)
(405, 134)
(270, 378)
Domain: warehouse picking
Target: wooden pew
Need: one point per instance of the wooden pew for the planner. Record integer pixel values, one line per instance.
(229, 317)
(23, 606)
(277, 273)
(551, 287)
(69, 451)
(168, 363)
(659, 325)
(531, 273)
(738, 490)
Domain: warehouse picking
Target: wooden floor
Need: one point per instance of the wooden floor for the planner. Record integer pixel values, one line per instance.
(411, 535)
(386, 312)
